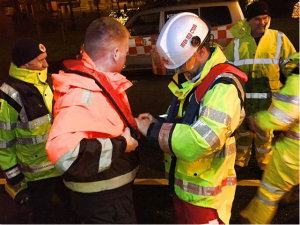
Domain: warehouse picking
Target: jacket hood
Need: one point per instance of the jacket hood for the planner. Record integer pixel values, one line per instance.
(216, 57)
(242, 28)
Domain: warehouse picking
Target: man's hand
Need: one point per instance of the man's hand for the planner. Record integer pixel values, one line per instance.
(143, 125)
(147, 116)
(131, 142)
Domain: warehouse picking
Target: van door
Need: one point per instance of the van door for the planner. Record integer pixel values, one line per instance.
(144, 30)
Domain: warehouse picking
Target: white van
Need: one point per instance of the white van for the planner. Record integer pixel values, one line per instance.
(147, 23)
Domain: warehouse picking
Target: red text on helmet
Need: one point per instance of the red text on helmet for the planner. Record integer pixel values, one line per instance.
(188, 36)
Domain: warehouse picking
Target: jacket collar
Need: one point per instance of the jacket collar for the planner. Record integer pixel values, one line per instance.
(29, 76)
(242, 28)
(181, 90)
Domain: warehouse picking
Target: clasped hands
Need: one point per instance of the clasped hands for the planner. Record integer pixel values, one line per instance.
(143, 121)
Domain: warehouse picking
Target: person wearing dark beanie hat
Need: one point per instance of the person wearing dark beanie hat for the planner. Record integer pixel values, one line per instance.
(257, 9)
(25, 50)
(26, 101)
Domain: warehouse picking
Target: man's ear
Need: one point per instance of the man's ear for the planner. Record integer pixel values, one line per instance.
(115, 54)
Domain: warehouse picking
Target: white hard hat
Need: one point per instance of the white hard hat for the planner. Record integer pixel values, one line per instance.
(180, 38)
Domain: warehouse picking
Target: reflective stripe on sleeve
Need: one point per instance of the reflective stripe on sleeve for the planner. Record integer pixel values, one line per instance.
(286, 98)
(11, 92)
(7, 125)
(87, 97)
(163, 138)
(103, 185)
(35, 123)
(291, 134)
(207, 133)
(258, 95)
(202, 190)
(224, 152)
(12, 173)
(35, 169)
(266, 201)
(106, 154)
(216, 115)
(64, 162)
(281, 115)
(32, 140)
(270, 188)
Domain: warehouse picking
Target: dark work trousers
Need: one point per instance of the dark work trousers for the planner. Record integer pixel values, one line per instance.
(41, 193)
(105, 208)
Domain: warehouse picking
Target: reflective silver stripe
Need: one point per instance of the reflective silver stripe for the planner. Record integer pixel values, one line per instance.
(87, 97)
(243, 147)
(291, 134)
(103, 185)
(224, 152)
(263, 151)
(279, 43)
(163, 138)
(23, 115)
(106, 154)
(7, 144)
(236, 49)
(256, 61)
(35, 123)
(287, 60)
(286, 98)
(259, 95)
(271, 189)
(12, 173)
(281, 115)
(7, 125)
(215, 115)
(32, 140)
(266, 201)
(64, 162)
(35, 169)
(11, 93)
(207, 133)
(202, 190)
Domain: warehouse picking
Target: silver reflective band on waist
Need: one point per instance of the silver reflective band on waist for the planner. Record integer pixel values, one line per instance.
(35, 169)
(103, 185)
(12, 173)
(203, 190)
(258, 95)
(291, 134)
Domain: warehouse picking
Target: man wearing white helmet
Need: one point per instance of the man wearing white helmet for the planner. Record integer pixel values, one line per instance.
(197, 136)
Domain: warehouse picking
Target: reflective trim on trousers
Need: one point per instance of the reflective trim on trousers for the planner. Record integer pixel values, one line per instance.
(263, 151)
(203, 190)
(35, 169)
(258, 95)
(103, 185)
(243, 147)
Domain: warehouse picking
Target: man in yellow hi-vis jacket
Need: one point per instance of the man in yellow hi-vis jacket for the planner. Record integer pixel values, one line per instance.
(258, 51)
(282, 173)
(197, 136)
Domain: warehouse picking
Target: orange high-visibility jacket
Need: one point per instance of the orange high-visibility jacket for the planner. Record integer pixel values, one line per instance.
(85, 142)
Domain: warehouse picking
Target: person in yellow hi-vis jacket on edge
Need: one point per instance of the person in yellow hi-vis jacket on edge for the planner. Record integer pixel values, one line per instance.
(258, 51)
(282, 173)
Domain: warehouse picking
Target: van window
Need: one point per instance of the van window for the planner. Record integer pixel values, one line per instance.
(169, 14)
(145, 25)
(216, 16)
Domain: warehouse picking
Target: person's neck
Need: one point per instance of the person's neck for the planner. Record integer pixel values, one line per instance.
(256, 35)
